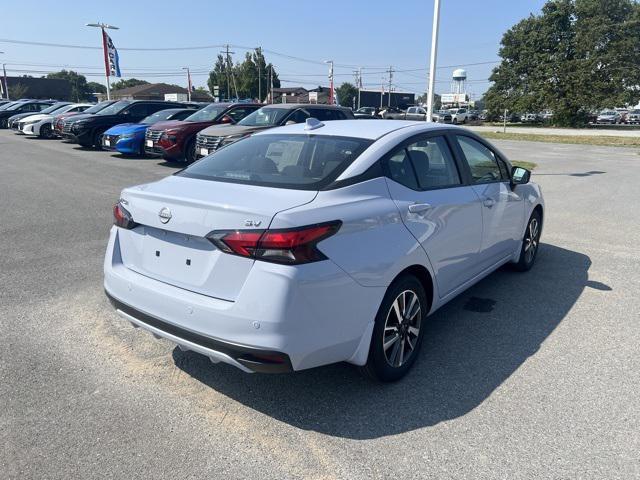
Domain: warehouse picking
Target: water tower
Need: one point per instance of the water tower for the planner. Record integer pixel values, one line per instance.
(459, 82)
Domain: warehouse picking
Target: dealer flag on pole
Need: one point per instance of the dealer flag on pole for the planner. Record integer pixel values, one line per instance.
(111, 60)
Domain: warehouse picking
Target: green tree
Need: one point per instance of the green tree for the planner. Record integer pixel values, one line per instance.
(437, 100)
(577, 56)
(17, 90)
(131, 82)
(242, 76)
(347, 93)
(95, 87)
(79, 89)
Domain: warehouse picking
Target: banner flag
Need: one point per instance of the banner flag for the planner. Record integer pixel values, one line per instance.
(111, 59)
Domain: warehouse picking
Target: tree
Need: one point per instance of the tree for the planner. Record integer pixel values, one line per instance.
(575, 57)
(347, 93)
(95, 87)
(437, 100)
(249, 79)
(17, 90)
(79, 89)
(131, 82)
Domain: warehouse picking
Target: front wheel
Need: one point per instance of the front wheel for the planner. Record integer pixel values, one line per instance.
(190, 151)
(530, 243)
(398, 330)
(46, 131)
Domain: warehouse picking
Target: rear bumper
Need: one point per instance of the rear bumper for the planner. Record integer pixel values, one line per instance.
(248, 359)
(295, 316)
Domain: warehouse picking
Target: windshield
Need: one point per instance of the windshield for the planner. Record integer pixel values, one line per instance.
(15, 106)
(207, 114)
(7, 105)
(303, 162)
(115, 108)
(264, 117)
(606, 112)
(159, 116)
(54, 107)
(97, 107)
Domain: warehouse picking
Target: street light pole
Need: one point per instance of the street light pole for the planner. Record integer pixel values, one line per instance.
(432, 63)
(188, 83)
(102, 27)
(5, 89)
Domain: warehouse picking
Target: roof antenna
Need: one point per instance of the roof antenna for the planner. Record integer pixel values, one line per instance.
(313, 123)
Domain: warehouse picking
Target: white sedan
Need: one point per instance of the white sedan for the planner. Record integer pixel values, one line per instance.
(41, 124)
(320, 242)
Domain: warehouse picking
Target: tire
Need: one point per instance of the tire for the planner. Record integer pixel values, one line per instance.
(529, 249)
(190, 151)
(46, 131)
(393, 363)
(455, 121)
(3, 123)
(96, 140)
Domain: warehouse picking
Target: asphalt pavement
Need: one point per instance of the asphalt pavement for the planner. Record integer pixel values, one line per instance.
(533, 375)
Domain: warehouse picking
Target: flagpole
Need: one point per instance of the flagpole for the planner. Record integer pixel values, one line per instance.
(107, 74)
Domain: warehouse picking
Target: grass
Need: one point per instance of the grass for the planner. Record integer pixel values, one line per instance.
(523, 164)
(599, 140)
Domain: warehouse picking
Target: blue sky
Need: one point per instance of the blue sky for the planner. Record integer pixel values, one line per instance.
(352, 33)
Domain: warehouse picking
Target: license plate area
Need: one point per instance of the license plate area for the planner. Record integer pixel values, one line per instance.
(204, 152)
(149, 143)
(107, 143)
(177, 258)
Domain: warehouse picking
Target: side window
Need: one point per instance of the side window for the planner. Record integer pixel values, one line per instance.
(322, 114)
(422, 111)
(411, 110)
(182, 115)
(400, 169)
(433, 163)
(482, 161)
(299, 116)
(239, 113)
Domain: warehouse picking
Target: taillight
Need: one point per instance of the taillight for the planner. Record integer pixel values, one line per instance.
(289, 246)
(122, 218)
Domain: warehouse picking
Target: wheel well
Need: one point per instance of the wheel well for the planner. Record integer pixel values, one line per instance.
(423, 275)
(540, 212)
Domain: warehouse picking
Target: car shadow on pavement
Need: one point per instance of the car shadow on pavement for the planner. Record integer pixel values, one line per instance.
(467, 353)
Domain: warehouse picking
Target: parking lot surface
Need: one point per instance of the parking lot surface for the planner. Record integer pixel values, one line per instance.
(531, 375)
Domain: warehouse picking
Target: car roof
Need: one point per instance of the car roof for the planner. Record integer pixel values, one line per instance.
(291, 106)
(364, 128)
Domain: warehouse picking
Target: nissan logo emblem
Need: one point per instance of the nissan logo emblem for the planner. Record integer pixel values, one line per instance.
(165, 215)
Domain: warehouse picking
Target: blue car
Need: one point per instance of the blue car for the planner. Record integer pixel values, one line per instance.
(128, 138)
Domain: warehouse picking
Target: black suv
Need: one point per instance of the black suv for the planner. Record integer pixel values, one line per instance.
(268, 116)
(23, 106)
(87, 130)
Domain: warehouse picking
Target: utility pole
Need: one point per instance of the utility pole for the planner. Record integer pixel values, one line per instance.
(102, 27)
(358, 75)
(432, 63)
(3, 86)
(259, 82)
(390, 80)
(228, 71)
(381, 93)
(270, 83)
(188, 83)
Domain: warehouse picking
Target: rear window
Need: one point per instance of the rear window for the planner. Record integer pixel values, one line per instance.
(303, 162)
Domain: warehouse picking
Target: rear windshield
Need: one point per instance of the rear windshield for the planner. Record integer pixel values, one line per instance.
(164, 115)
(302, 162)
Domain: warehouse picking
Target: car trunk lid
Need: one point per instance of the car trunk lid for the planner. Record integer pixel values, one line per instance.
(176, 214)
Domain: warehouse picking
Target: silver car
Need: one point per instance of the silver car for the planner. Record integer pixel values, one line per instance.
(317, 243)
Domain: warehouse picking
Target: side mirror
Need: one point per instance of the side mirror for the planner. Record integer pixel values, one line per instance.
(520, 176)
(226, 119)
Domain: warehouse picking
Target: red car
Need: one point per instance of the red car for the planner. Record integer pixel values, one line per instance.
(175, 140)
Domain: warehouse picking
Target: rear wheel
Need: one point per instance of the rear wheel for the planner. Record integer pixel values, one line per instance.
(398, 331)
(529, 250)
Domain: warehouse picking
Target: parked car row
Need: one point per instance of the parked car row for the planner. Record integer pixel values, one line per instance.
(180, 132)
(419, 113)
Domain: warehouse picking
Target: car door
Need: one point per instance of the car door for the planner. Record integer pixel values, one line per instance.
(502, 206)
(441, 211)
(411, 113)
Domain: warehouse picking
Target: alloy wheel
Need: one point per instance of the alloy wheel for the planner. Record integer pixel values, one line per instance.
(402, 328)
(531, 240)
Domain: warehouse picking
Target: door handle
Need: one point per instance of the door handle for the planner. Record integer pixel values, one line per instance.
(488, 202)
(419, 207)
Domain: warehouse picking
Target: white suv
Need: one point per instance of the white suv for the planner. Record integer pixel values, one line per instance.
(459, 115)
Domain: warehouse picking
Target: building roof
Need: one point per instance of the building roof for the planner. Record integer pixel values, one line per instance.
(156, 90)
